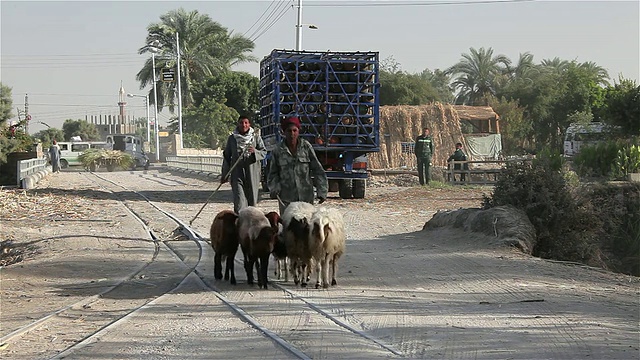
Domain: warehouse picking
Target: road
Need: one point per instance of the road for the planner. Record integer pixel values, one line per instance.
(106, 276)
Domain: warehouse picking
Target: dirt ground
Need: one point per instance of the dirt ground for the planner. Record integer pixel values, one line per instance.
(63, 240)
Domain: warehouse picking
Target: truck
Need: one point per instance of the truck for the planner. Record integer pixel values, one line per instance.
(335, 96)
(132, 145)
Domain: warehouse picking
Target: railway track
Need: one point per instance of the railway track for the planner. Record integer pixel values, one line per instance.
(183, 259)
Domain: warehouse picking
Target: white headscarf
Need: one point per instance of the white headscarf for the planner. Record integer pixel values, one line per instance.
(243, 141)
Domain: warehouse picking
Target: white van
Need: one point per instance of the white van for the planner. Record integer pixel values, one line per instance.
(69, 151)
(579, 135)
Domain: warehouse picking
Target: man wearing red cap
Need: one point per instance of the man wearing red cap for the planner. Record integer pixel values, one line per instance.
(295, 169)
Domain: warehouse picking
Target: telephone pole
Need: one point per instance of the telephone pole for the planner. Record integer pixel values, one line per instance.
(27, 117)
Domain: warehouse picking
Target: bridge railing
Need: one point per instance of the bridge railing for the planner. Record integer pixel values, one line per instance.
(211, 164)
(29, 167)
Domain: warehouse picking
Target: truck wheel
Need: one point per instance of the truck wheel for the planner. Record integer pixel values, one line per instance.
(345, 190)
(64, 164)
(358, 189)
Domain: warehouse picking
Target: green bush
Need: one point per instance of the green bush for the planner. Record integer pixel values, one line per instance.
(619, 208)
(566, 225)
(611, 159)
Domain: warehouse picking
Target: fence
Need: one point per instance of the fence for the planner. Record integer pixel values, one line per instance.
(29, 167)
(211, 164)
(477, 172)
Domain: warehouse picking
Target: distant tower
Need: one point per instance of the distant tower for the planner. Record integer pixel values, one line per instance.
(121, 104)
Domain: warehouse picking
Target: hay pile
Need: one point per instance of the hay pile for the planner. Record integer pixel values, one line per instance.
(508, 225)
(403, 123)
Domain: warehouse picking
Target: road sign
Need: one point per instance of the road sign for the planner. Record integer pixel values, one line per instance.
(168, 75)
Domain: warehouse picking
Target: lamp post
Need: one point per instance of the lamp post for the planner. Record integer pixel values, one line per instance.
(299, 26)
(179, 91)
(154, 48)
(146, 103)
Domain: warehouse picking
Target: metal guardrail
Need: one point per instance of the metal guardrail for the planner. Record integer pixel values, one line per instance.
(29, 167)
(211, 164)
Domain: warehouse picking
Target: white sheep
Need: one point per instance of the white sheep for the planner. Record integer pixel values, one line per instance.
(296, 219)
(328, 236)
(257, 239)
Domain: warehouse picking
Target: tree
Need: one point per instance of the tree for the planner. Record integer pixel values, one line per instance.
(621, 106)
(477, 75)
(47, 136)
(515, 129)
(205, 48)
(236, 89)
(211, 122)
(82, 128)
(6, 103)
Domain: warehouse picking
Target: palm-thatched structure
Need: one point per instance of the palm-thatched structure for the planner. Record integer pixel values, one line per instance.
(400, 125)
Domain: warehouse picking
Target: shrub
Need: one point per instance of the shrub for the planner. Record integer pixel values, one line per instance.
(611, 159)
(566, 225)
(619, 209)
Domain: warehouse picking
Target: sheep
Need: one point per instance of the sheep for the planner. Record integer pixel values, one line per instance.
(279, 249)
(327, 232)
(224, 240)
(296, 236)
(257, 239)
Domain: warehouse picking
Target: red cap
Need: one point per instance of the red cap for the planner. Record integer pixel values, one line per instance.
(288, 121)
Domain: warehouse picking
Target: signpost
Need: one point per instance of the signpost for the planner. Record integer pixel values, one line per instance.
(168, 75)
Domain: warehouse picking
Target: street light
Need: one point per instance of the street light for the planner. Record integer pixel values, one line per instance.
(146, 103)
(154, 47)
(299, 26)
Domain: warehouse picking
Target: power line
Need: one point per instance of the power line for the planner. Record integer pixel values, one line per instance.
(410, 3)
(280, 15)
(264, 12)
(274, 15)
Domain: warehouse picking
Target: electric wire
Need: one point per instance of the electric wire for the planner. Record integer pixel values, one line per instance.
(410, 3)
(269, 17)
(275, 21)
(264, 12)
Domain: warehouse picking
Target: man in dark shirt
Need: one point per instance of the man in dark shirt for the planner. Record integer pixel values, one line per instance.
(424, 150)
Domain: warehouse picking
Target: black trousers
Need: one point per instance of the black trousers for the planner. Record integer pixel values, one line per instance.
(424, 170)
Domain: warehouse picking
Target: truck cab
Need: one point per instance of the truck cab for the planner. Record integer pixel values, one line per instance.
(132, 145)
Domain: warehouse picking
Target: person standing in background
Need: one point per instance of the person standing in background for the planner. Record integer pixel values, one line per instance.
(54, 156)
(424, 151)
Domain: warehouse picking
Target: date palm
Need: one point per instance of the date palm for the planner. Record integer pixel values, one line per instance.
(477, 75)
(206, 47)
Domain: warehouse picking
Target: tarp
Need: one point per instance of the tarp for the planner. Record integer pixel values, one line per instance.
(484, 147)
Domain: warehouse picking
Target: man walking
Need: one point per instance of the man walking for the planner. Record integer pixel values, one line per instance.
(424, 150)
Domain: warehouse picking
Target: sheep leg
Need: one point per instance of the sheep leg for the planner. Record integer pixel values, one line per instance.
(285, 266)
(217, 266)
(264, 269)
(303, 271)
(230, 270)
(319, 273)
(325, 270)
(295, 271)
(334, 270)
(248, 268)
(258, 272)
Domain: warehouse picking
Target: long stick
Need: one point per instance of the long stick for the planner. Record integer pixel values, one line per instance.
(218, 188)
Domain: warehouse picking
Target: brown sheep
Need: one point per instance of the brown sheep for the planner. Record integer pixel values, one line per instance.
(257, 239)
(224, 240)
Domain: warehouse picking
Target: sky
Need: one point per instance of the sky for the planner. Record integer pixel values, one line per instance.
(71, 57)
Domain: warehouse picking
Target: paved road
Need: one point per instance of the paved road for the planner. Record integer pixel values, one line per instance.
(402, 292)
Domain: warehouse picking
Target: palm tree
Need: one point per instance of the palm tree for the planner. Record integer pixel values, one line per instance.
(600, 74)
(205, 48)
(555, 64)
(477, 74)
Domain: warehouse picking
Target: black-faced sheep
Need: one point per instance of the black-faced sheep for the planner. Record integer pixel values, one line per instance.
(224, 240)
(296, 219)
(279, 249)
(327, 233)
(257, 239)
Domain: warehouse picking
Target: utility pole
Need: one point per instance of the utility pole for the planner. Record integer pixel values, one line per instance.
(27, 117)
(299, 27)
(179, 91)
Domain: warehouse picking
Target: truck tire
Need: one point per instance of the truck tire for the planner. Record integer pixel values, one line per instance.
(345, 189)
(358, 190)
(64, 164)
